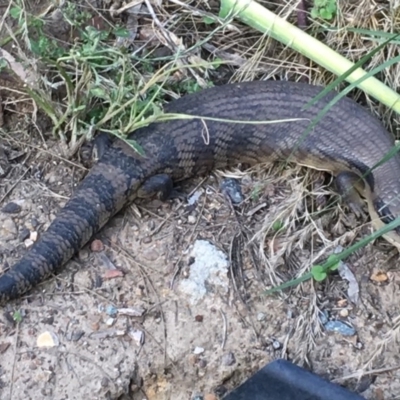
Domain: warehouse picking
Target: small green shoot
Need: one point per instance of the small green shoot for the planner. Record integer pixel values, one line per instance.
(278, 225)
(17, 317)
(319, 272)
(324, 9)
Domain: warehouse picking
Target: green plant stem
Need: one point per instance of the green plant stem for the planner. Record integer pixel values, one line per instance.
(258, 17)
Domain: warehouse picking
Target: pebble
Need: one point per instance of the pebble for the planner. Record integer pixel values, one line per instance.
(11, 208)
(276, 345)
(28, 243)
(8, 229)
(210, 396)
(110, 321)
(74, 336)
(260, 316)
(97, 246)
(192, 219)
(228, 359)
(231, 188)
(33, 236)
(111, 310)
(198, 350)
(47, 339)
(344, 312)
(132, 311)
(340, 327)
(202, 363)
(193, 359)
(137, 336)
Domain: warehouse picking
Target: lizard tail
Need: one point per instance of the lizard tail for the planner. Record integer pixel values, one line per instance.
(102, 194)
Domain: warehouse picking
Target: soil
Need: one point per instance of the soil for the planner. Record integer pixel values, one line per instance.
(117, 323)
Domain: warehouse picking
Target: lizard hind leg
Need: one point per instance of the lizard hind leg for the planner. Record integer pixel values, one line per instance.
(351, 186)
(157, 186)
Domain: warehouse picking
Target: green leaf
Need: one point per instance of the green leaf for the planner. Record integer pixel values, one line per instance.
(225, 9)
(15, 12)
(331, 7)
(98, 92)
(209, 20)
(17, 316)
(277, 225)
(318, 273)
(122, 32)
(136, 146)
(332, 263)
(3, 64)
(314, 13)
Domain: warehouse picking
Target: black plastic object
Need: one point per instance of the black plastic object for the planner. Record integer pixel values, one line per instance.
(282, 380)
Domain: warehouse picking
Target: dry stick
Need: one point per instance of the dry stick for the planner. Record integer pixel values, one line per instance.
(14, 361)
(370, 372)
(15, 184)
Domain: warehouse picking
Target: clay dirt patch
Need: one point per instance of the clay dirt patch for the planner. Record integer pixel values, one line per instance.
(121, 319)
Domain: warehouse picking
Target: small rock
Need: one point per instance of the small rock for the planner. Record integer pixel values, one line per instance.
(11, 208)
(33, 236)
(202, 363)
(231, 188)
(3, 347)
(111, 311)
(28, 243)
(344, 313)
(260, 316)
(193, 359)
(228, 359)
(340, 327)
(97, 246)
(276, 345)
(137, 335)
(210, 396)
(379, 277)
(8, 230)
(192, 219)
(95, 325)
(147, 239)
(199, 318)
(198, 350)
(139, 291)
(47, 339)
(76, 335)
(132, 311)
(110, 321)
(33, 366)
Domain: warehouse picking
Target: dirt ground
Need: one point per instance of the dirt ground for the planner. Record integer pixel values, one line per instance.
(122, 325)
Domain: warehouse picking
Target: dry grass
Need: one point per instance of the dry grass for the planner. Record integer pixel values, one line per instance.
(180, 47)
